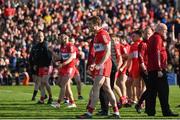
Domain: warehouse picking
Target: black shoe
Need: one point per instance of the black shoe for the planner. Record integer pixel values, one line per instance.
(127, 105)
(50, 100)
(114, 116)
(80, 97)
(102, 113)
(178, 106)
(171, 114)
(84, 116)
(33, 99)
(145, 111)
(150, 114)
(40, 102)
(45, 97)
(138, 108)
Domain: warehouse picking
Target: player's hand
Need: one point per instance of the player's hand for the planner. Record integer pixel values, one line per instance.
(60, 65)
(34, 67)
(120, 69)
(145, 72)
(91, 67)
(98, 66)
(160, 74)
(125, 56)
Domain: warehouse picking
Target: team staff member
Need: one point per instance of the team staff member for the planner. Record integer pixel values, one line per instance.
(33, 71)
(157, 63)
(102, 67)
(42, 63)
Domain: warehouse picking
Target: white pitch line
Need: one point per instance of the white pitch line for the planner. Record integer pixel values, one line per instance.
(10, 91)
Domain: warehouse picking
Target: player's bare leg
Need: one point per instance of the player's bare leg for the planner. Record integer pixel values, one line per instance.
(111, 96)
(78, 82)
(122, 84)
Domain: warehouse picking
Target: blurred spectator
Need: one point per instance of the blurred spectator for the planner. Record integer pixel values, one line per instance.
(9, 11)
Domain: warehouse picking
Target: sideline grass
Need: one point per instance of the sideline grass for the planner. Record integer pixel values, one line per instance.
(15, 102)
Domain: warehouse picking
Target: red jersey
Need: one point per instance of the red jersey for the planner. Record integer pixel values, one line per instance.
(100, 43)
(155, 44)
(65, 52)
(134, 50)
(117, 50)
(135, 69)
(125, 49)
(143, 56)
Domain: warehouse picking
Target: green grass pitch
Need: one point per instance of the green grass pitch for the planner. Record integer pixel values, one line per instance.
(15, 102)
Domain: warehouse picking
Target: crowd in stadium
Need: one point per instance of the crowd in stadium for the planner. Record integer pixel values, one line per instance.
(21, 24)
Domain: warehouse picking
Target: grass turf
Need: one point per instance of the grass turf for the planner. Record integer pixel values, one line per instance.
(15, 102)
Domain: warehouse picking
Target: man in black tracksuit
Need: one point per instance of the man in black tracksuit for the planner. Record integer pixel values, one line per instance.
(41, 61)
(33, 71)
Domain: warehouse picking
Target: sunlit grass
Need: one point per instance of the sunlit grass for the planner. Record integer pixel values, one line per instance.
(15, 102)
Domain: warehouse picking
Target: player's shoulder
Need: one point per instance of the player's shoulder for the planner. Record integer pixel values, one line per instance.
(155, 36)
(70, 45)
(103, 32)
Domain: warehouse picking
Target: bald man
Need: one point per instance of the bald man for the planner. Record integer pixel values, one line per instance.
(157, 72)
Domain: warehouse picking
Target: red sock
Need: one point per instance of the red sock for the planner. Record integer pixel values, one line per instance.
(115, 109)
(88, 104)
(42, 98)
(90, 109)
(124, 99)
(71, 101)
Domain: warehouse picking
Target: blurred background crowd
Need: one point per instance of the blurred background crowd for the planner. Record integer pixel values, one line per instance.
(20, 21)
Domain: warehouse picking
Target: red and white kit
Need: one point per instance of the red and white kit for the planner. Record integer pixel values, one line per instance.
(101, 40)
(124, 52)
(135, 69)
(65, 52)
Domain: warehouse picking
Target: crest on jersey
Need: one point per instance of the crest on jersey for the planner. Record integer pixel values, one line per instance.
(71, 48)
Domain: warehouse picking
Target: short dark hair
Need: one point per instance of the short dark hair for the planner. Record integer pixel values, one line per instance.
(95, 20)
(39, 30)
(138, 32)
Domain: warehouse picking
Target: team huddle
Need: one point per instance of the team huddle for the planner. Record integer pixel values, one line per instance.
(123, 74)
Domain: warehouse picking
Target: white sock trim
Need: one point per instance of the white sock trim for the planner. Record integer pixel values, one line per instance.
(89, 113)
(117, 113)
